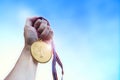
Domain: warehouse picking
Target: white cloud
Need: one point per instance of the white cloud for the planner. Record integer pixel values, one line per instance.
(24, 12)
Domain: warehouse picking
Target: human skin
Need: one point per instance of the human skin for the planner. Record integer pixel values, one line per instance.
(25, 67)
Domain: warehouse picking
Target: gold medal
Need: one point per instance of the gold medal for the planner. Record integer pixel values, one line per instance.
(41, 51)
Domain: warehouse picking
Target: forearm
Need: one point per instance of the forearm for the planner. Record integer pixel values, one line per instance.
(25, 68)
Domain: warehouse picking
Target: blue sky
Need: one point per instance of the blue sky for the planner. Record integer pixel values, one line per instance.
(86, 34)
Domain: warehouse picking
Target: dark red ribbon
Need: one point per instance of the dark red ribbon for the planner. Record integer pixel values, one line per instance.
(56, 59)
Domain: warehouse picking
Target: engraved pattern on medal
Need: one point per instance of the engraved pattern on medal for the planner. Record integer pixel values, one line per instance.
(41, 51)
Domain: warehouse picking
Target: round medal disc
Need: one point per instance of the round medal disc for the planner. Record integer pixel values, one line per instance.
(41, 51)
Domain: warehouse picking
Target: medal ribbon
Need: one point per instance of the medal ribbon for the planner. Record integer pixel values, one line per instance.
(56, 59)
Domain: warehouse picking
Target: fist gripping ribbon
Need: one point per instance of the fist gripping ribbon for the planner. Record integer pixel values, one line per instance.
(42, 50)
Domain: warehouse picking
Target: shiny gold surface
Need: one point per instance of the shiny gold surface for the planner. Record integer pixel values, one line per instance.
(41, 51)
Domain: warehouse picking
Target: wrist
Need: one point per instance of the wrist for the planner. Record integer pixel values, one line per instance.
(27, 53)
(27, 48)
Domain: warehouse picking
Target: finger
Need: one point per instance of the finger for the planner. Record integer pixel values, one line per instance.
(30, 21)
(50, 35)
(44, 22)
(37, 23)
(42, 27)
(44, 33)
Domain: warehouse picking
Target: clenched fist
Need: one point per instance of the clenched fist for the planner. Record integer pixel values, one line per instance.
(37, 28)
